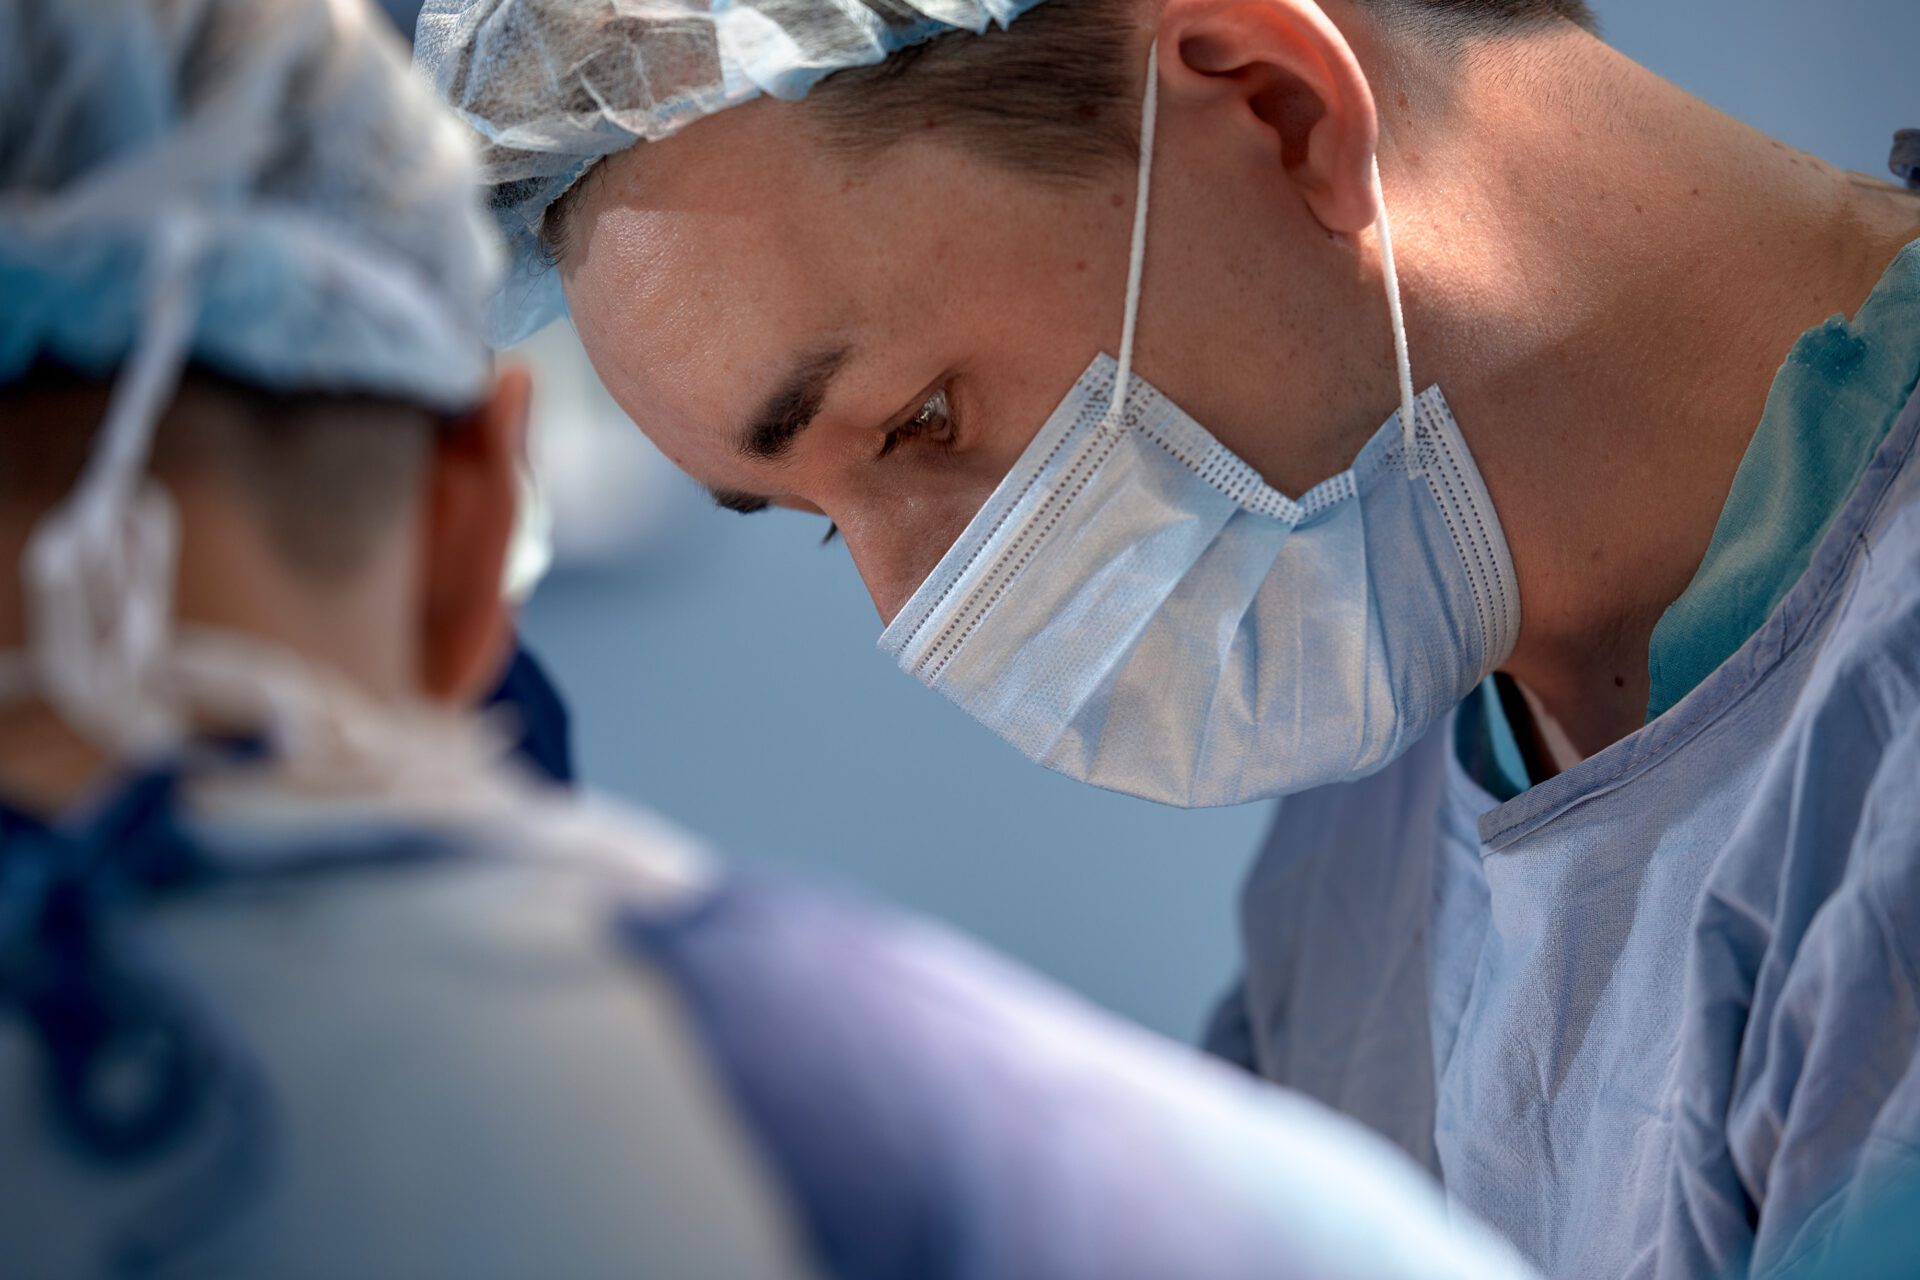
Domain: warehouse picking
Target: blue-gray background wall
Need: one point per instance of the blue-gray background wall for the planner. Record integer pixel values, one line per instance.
(722, 670)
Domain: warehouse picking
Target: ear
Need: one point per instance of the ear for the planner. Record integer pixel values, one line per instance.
(1281, 70)
(471, 501)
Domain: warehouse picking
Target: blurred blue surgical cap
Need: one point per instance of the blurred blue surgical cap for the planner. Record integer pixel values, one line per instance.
(340, 241)
(554, 85)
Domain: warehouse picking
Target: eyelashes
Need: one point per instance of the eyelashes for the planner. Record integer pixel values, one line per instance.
(933, 423)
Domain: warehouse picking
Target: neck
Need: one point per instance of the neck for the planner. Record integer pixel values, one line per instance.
(229, 580)
(1605, 287)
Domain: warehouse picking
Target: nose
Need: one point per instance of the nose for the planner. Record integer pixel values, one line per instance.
(898, 536)
(895, 549)
(889, 581)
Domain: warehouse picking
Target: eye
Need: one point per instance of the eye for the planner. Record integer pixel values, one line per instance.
(934, 423)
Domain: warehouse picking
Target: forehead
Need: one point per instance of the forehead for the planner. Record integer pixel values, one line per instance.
(686, 273)
(705, 265)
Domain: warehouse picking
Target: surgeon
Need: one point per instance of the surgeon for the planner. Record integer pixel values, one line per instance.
(300, 973)
(1413, 408)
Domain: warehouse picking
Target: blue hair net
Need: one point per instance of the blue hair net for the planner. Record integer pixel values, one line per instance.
(335, 237)
(554, 85)
(258, 185)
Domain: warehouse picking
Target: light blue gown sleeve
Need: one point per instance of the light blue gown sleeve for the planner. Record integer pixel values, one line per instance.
(1838, 1116)
(1804, 1041)
(937, 1115)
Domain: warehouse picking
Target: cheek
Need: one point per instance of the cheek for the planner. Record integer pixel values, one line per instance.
(897, 540)
(902, 519)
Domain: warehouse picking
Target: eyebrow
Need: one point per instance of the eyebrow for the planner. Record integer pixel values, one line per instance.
(739, 500)
(792, 407)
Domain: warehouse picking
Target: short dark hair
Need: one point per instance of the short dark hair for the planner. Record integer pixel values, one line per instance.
(1052, 95)
(1485, 17)
(326, 475)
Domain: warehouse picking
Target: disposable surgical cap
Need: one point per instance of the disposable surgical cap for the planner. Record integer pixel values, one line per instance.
(554, 85)
(261, 186)
(316, 206)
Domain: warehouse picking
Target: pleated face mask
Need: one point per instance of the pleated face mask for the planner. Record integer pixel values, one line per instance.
(1136, 608)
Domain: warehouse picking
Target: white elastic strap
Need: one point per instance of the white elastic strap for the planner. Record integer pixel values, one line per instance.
(530, 547)
(1137, 250)
(1403, 364)
(99, 568)
(1136, 262)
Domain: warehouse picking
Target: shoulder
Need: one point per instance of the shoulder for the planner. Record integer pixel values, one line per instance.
(1832, 831)
(466, 1070)
(1874, 644)
(1850, 728)
(1804, 1032)
(939, 1113)
(1886, 845)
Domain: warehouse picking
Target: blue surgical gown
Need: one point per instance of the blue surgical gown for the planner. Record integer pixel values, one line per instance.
(242, 1034)
(536, 716)
(1660, 1015)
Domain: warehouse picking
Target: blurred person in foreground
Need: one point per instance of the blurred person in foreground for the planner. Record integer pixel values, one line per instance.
(1099, 331)
(299, 974)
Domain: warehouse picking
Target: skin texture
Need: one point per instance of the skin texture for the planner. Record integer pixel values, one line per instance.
(418, 614)
(1586, 274)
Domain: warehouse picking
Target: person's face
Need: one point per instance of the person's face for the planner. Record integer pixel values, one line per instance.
(876, 346)
(878, 341)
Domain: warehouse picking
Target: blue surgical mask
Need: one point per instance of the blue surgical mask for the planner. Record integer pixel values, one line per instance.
(1137, 608)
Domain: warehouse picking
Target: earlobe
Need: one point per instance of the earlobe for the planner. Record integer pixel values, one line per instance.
(1282, 69)
(470, 504)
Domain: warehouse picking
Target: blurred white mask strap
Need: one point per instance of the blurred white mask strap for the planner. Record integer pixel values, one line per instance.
(1402, 362)
(99, 569)
(1137, 244)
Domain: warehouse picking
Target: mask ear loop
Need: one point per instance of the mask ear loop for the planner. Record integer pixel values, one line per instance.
(99, 568)
(1136, 261)
(1137, 248)
(1403, 364)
